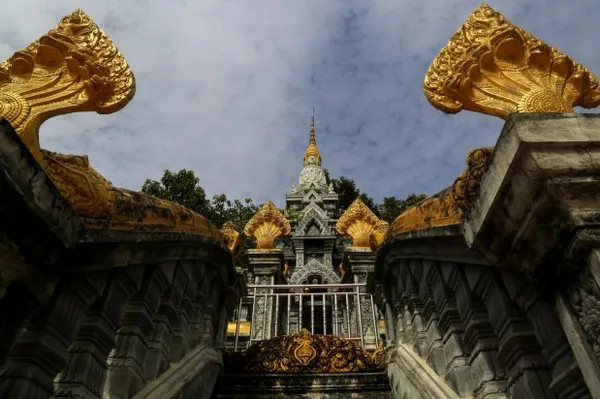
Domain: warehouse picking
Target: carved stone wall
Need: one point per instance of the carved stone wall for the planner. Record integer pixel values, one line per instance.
(504, 303)
(477, 330)
(101, 313)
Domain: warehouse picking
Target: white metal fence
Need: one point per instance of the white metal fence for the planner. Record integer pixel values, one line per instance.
(344, 310)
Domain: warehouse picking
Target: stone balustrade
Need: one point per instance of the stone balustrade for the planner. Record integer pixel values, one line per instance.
(97, 312)
(504, 303)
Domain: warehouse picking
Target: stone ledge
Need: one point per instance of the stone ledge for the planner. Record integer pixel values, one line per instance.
(330, 386)
(540, 178)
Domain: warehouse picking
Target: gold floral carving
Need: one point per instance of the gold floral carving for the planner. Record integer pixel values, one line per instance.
(466, 186)
(494, 67)
(76, 67)
(304, 352)
(232, 237)
(360, 223)
(267, 225)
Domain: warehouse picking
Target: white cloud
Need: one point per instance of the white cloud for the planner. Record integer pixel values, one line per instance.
(225, 88)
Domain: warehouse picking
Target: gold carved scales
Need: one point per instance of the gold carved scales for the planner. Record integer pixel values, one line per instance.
(494, 67)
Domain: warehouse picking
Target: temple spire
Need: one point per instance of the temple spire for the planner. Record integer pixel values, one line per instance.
(312, 139)
(312, 156)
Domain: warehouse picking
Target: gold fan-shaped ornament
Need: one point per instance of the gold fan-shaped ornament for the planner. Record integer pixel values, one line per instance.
(494, 67)
(360, 223)
(266, 225)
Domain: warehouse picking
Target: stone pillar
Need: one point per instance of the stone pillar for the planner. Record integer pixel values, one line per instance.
(267, 268)
(328, 255)
(539, 213)
(299, 248)
(359, 264)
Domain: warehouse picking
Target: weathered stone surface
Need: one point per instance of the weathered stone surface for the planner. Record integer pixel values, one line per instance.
(100, 313)
(303, 386)
(411, 377)
(541, 184)
(191, 377)
(498, 337)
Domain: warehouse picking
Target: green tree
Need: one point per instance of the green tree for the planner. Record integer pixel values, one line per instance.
(183, 188)
(391, 207)
(347, 192)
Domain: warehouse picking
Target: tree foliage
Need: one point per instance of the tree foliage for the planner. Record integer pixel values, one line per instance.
(184, 188)
(391, 207)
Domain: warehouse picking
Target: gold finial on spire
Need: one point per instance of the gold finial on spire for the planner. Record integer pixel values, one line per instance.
(494, 67)
(312, 156)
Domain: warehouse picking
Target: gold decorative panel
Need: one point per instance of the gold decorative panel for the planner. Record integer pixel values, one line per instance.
(360, 223)
(494, 67)
(267, 225)
(304, 352)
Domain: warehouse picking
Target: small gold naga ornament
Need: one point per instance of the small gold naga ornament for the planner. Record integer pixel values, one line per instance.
(304, 352)
(360, 223)
(232, 237)
(266, 225)
(494, 67)
(449, 206)
(466, 185)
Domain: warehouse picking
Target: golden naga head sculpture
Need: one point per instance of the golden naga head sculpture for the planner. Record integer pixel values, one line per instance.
(74, 67)
(232, 237)
(360, 223)
(494, 67)
(266, 225)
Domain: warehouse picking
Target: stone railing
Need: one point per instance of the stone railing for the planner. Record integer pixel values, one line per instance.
(504, 303)
(102, 312)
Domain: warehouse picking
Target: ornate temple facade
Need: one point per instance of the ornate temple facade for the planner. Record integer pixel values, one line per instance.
(313, 251)
(488, 289)
(304, 273)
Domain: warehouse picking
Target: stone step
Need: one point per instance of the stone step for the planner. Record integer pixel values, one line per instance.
(365, 385)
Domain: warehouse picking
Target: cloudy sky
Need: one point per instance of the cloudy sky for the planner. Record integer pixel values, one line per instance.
(226, 87)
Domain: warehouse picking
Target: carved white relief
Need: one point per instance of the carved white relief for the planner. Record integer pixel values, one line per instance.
(313, 175)
(314, 267)
(313, 215)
